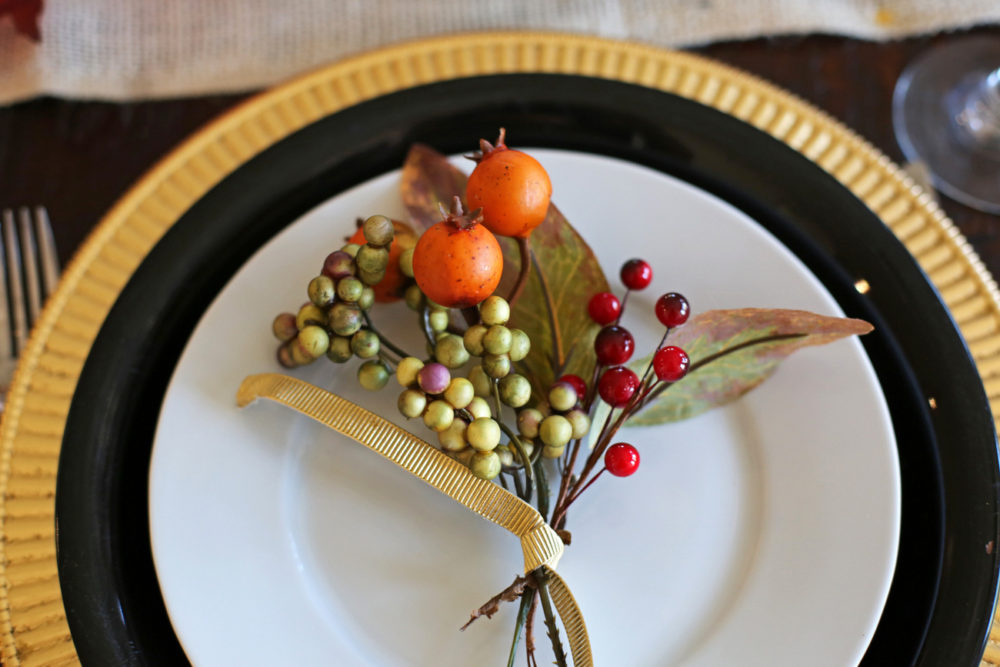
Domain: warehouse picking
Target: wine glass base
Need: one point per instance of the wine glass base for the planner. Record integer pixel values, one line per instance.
(926, 107)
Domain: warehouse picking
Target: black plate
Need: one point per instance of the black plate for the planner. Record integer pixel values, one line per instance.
(940, 604)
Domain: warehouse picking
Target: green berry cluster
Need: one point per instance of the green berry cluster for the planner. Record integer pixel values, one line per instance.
(458, 408)
(557, 422)
(498, 348)
(449, 406)
(333, 322)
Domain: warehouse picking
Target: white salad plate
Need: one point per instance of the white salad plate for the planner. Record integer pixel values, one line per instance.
(760, 525)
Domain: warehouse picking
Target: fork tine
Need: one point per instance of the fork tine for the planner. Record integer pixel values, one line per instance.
(29, 255)
(6, 331)
(47, 250)
(14, 283)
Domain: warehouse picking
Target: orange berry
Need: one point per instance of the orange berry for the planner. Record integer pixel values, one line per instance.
(457, 262)
(511, 188)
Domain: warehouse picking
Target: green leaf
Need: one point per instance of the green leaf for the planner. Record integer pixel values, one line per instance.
(565, 274)
(552, 309)
(733, 351)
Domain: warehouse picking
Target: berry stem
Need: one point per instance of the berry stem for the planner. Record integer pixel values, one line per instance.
(564, 485)
(603, 440)
(649, 366)
(382, 339)
(496, 401)
(542, 580)
(527, 601)
(518, 487)
(543, 488)
(521, 454)
(529, 632)
(585, 486)
(524, 250)
(388, 359)
(592, 392)
(425, 321)
(621, 313)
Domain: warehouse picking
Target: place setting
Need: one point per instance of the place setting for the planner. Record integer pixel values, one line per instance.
(729, 385)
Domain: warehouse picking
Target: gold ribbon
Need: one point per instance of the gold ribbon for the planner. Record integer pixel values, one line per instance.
(540, 544)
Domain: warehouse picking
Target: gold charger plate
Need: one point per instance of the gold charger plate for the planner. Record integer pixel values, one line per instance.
(33, 624)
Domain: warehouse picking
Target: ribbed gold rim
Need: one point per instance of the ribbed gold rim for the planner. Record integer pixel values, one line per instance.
(32, 618)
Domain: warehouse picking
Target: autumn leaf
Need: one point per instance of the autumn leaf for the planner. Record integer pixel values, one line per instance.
(429, 182)
(733, 351)
(552, 308)
(564, 274)
(24, 14)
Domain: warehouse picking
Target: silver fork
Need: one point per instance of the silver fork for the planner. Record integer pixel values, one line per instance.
(30, 273)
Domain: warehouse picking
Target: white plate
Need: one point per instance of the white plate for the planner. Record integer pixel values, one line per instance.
(764, 533)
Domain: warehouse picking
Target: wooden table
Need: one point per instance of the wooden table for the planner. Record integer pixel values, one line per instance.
(77, 158)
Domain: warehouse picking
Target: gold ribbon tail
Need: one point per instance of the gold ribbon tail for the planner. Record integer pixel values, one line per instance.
(540, 544)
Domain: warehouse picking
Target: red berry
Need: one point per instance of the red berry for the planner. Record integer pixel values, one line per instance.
(636, 274)
(617, 386)
(671, 363)
(672, 309)
(576, 382)
(613, 345)
(621, 459)
(604, 308)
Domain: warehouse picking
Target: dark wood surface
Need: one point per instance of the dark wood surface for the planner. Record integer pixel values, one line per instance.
(78, 157)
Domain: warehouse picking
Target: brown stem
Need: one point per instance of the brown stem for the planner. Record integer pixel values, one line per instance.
(598, 453)
(592, 390)
(621, 310)
(492, 606)
(542, 583)
(559, 512)
(524, 250)
(649, 366)
(529, 631)
(586, 486)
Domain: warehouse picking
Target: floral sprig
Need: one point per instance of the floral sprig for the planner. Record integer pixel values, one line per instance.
(501, 383)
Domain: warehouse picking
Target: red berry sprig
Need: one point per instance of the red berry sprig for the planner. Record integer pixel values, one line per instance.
(619, 386)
